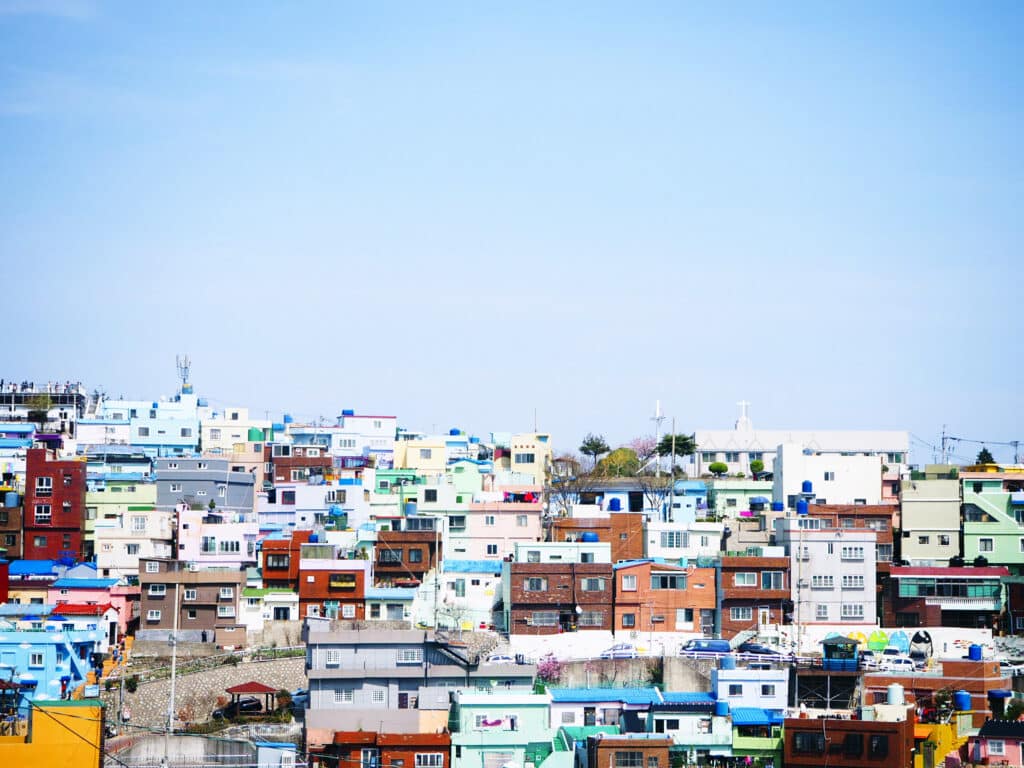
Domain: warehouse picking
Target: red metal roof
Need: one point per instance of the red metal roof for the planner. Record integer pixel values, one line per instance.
(985, 572)
(82, 609)
(393, 739)
(251, 687)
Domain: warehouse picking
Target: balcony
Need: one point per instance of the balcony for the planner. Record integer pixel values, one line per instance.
(966, 603)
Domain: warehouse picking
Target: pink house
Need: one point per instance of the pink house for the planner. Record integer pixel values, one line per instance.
(997, 743)
(97, 592)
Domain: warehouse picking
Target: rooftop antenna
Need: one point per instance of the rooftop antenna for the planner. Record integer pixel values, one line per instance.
(657, 418)
(184, 366)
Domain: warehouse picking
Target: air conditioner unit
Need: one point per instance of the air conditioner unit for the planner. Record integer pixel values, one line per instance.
(193, 567)
(634, 635)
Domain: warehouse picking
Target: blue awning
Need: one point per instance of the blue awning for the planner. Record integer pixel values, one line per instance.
(750, 716)
(760, 500)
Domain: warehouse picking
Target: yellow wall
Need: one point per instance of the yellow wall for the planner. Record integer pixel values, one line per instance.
(54, 744)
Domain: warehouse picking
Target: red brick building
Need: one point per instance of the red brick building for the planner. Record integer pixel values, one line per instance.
(385, 750)
(54, 510)
(404, 557)
(623, 530)
(656, 597)
(334, 588)
(544, 597)
(812, 743)
(294, 463)
(876, 517)
(643, 750)
(280, 560)
(755, 591)
(11, 530)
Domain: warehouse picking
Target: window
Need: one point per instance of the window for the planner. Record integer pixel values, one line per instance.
(157, 590)
(996, 746)
(668, 581)
(288, 497)
(847, 522)
(298, 475)
(924, 540)
(186, 432)
(389, 556)
(191, 594)
(343, 696)
(377, 697)
(429, 760)
(746, 579)
(278, 561)
(568, 718)
(208, 545)
(143, 431)
(629, 760)
(884, 553)
(730, 502)
(191, 613)
(544, 619)
(488, 519)
(628, 620)
(523, 458)
(772, 580)
(853, 611)
(829, 476)
(44, 486)
(215, 434)
(591, 619)
(230, 547)
(152, 615)
(732, 456)
(809, 743)
(707, 456)
(535, 584)
(459, 585)
(943, 540)
(985, 545)
(415, 555)
(138, 524)
(878, 746)
(853, 582)
(492, 549)
(410, 656)
(39, 541)
(672, 539)
(152, 567)
(426, 453)
(767, 690)
(35, 659)
(456, 523)
(522, 520)
(533, 556)
(225, 611)
(227, 593)
(333, 657)
(348, 611)
(43, 514)
(735, 689)
(821, 612)
(741, 613)
(131, 549)
(592, 585)
(852, 553)
(629, 583)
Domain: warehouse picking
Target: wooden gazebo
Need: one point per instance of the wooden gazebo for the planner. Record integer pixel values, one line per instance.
(252, 688)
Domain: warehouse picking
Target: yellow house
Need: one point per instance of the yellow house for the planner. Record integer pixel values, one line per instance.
(58, 733)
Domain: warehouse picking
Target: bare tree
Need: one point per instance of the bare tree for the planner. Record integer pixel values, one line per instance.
(656, 489)
(568, 480)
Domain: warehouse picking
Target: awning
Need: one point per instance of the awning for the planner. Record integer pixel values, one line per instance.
(750, 716)
(922, 732)
(760, 500)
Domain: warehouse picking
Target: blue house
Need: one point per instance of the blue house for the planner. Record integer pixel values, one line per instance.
(50, 661)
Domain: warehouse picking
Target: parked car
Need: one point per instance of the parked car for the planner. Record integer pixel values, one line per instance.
(705, 647)
(247, 705)
(901, 664)
(869, 659)
(621, 651)
(758, 649)
(1012, 668)
(300, 699)
(500, 658)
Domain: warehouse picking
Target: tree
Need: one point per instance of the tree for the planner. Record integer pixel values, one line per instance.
(685, 445)
(985, 457)
(656, 490)
(756, 467)
(645, 448)
(39, 409)
(593, 446)
(622, 462)
(567, 482)
(718, 468)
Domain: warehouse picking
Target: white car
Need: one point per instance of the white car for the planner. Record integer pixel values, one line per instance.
(621, 651)
(899, 664)
(1011, 668)
(500, 658)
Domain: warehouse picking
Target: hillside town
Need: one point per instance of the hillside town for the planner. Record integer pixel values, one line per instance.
(186, 584)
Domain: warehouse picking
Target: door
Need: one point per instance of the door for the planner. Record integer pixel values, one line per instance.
(281, 613)
(589, 716)
(395, 612)
(764, 616)
(403, 700)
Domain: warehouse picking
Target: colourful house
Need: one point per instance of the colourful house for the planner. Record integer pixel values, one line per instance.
(997, 743)
(489, 731)
(57, 733)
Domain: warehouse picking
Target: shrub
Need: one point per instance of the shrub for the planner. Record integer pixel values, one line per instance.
(756, 467)
(108, 685)
(132, 684)
(718, 468)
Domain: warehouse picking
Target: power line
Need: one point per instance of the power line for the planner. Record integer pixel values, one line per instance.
(76, 734)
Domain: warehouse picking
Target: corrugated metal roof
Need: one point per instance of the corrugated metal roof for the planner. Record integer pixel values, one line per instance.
(625, 695)
(31, 567)
(389, 593)
(472, 566)
(84, 583)
(750, 716)
(686, 697)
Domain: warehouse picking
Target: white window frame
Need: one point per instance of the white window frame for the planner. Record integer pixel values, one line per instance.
(152, 615)
(227, 593)
(746, 579)
(157, 590)
(191, 594)
(152, 567)
(429, 760)
(741, 613)
(629, 582)
(409, 656)
(821, 612)
(225, 611)
(332, 657)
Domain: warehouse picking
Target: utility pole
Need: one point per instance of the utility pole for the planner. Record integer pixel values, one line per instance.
(945, 452)
(672, 468)
(657, 418)
(174, 668)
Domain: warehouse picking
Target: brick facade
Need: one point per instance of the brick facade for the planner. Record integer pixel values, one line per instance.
(54, 509)
(545, 597)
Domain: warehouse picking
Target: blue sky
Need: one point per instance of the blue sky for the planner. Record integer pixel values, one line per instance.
(460, 213)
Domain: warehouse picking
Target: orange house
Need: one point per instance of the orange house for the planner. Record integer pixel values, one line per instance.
(334, 588)
(657, 597)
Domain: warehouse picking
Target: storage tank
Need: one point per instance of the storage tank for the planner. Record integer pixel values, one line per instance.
(255, 435)
(894, 695)
(288, 418)
(974, 652)
(277, 426)
(615, 505)
(589, 537)
(729, 662)
(778, 506)
(11, 499)
(314, 538)
(348, 412)
(962, 701)
(807, 487)
(801, 507)
(410, 509)
(722, 708)
(453, 432)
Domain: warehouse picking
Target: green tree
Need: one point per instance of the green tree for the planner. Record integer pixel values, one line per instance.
(593, 446)
(718, 468)
(622, 462)
(685, 445)
(985, 457)
(756, 467)
(39, 409)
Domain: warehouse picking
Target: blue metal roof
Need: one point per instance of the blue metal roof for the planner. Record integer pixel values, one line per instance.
(685, 697)
(690, 486)
(275, 744)
(84, 583)
(390, 593)
(625, 695)
(24, 609)
(472, 566)
(31, 568)
(15, 442)
(759, 500)
(630, 563)
(20, 429)
(755, 716)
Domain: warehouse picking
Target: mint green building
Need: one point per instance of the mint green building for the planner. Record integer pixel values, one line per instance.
(993, 519)
(490, 730)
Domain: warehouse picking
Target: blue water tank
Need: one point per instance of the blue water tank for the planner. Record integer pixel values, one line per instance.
(974, 653)
(807, 487)
(288, 418)
(589, 537)
(721, 708)
(801, 507)
(314, 538)
(453, 431)
(277, 426)
(348, 412)
(410, 508)
(778, 506)
(962, 701)
(728, 662)
(11, 499)
(615, 505)
(474, 440)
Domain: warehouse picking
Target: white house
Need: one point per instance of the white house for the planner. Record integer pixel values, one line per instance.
(835, 478)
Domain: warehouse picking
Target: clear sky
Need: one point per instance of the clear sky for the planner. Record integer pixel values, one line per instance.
(460, 213)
